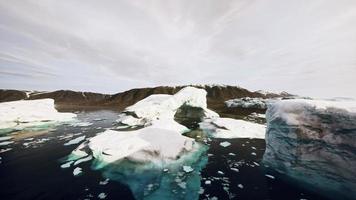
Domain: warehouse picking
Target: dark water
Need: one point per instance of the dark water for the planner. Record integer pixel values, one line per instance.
(33, 171)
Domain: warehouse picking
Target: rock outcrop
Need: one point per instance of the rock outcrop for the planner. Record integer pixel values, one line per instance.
(314, 142)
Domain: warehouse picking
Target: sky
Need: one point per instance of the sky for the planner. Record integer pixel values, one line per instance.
(305, 47)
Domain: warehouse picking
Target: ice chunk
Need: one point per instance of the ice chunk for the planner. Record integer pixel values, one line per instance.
(77, 162)
(82, 124)
(225, 144)
(188, 169)
(247, 102)
(269, 176)
(233, 128)
(313, 141)
(235, 169)
(207, 182)
(102, 195)
(77, 171)
(221, 173)
(6, 143)
(240, 186)
(75, 141)
(5, 138)
(5, 150)
(25, 113)
(67, 164)
(104, 182)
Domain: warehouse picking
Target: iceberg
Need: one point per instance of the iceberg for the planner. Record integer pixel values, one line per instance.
(149, 144)
(313, 142)
(152, 155)
(247, 102)
(28, 113)
(164, 106)
(232, 128)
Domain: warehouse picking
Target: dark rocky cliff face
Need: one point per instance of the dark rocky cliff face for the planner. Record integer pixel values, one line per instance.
(12, 95)
(216, 97)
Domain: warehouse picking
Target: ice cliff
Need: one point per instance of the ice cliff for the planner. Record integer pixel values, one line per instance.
(314, 142)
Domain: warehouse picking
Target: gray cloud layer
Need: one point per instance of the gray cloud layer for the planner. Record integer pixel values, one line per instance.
(302, 46)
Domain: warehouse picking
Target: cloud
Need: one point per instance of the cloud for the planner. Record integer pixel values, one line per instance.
(306, 47)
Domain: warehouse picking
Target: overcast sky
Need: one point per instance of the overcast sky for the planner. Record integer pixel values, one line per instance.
(306, 47)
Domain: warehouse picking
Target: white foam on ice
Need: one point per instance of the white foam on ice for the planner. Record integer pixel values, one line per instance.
(25, 113)
(233, 128)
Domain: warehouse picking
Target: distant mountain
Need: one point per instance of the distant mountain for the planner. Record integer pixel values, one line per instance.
(217, 95)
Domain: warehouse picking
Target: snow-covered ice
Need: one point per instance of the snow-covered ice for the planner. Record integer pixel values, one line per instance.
(77, 171)
(102, 195)
(247, 102)
(144, 145)
(233, 128)
(6, 143)
(5, 138)
(225, 144)
(26, 113)
(75, 141)
(188, 169)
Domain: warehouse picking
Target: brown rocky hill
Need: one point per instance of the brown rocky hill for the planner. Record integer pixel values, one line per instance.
(216, 96)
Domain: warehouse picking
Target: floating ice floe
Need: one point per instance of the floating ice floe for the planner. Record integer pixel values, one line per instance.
(270, 176)
(77, 171)
(29, 113)
(314, 141)
(75, 141)
(6, 143)
(82, 124)
(188, 169)
(5, 138)
(225, 144)
(247, 102)
(102, 195)
(232, 128)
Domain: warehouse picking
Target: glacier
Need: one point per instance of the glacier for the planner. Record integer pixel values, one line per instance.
(314, 142)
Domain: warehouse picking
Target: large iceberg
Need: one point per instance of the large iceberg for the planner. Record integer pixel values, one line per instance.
(232, 128)
(26, 113)
(150, 153)
(314, 142)
(163, 106)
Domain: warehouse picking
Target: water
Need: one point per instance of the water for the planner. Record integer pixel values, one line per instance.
(31, 169)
